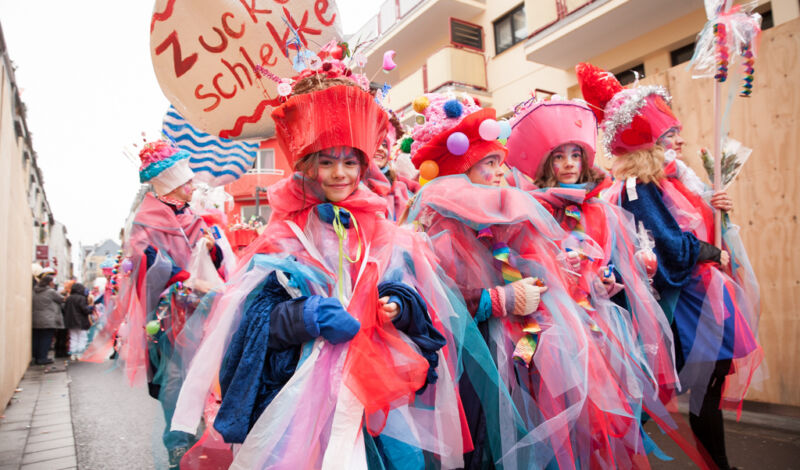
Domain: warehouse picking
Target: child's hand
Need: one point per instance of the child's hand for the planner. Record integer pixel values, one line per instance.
(724, 259)
(721, 201)
(390, 309)
(209, 241)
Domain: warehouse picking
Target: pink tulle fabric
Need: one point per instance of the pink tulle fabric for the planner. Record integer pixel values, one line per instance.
(579, 397)
(155, 225)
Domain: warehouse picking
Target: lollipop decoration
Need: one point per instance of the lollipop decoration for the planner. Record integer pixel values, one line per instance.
(722, 52)
(730, 31)
(747, 82)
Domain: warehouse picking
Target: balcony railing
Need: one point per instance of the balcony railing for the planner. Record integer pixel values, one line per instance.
(450, 66)
(265, 171)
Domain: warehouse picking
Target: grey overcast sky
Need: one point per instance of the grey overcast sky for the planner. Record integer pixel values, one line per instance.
(84, 70)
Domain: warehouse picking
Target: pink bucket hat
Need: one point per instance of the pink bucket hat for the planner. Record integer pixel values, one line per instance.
(537, 129)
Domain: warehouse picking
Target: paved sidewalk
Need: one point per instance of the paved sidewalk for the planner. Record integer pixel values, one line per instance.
(36, 428)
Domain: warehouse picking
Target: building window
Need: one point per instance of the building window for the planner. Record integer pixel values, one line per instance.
(628, 76)
(766, 20)
(263, 213)
(510, 29)
(466, 34)
(681, 54)
(264, 162)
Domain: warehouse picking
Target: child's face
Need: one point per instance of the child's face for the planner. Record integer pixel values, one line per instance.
(382, 155)
(183, 192)
(672, 140)
(567, 163)
(338, 172)
(488, 171)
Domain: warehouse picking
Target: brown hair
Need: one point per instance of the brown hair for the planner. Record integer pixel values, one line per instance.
(547, 177)
(308, 165)
(647, 165)
(317, 82)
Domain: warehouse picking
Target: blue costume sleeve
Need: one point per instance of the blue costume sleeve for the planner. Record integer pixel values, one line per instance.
(252, 374)
(177, 273)
(414, 321)
(677, 251)
(264, 351)
(216, 256)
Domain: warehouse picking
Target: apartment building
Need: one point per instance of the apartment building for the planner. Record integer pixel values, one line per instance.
(502, 52)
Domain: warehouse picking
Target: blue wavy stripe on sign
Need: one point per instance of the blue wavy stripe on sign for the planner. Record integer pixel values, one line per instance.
(185, 131)
(216, 173)
(196, 160)
(176, 122)
(186, 128)
(219, 155)
(189, 142)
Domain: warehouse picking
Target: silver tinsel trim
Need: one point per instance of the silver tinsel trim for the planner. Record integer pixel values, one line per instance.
(622, 116)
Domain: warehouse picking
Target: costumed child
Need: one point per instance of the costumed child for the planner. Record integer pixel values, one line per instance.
(714, 320)
(553, 144)
(336, 343)
(154, 300)
(394, 187)
(499, 246)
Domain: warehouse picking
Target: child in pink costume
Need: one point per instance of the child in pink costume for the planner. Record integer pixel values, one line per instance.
(499, 245)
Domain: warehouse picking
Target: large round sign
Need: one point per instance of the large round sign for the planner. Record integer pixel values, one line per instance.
(219, 62)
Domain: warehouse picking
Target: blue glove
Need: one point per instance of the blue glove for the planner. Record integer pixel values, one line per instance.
(332, 320)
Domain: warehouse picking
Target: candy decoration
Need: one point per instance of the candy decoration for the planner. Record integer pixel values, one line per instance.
(284, 89)
(423, 181)
(489, 130)
(747, 83)
(388, 61)
(420, 103)
(127, 266)
(505, 129)
(458, 143)
(453, 109)
(722, 52)
(152, 327)
(429, 170)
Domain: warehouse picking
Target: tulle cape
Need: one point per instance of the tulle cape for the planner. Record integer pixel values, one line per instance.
(397, 193)
(577, 408)
(609, 237)
(319, 418)
(719, 311)
(174, 236)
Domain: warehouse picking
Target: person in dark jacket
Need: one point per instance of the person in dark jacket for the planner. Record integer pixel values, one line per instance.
(47, 318)
(76, 319)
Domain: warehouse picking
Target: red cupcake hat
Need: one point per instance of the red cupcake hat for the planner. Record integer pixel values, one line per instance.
(456, 134)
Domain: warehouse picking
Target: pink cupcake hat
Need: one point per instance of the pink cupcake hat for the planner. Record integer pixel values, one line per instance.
(538, 128)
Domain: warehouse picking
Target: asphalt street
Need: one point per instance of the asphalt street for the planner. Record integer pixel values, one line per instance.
(118, 426)
(115, 425)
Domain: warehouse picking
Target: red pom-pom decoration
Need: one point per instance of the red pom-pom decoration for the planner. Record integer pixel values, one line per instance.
(597, 87)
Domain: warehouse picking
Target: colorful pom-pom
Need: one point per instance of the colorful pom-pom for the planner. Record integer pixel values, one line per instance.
(489, 130)
(458, 143)
(505, 129)
(453, 108)
(421, 103)
(428, 170)
(405, 145)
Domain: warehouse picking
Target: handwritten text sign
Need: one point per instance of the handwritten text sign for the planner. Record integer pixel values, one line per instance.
(205, 54)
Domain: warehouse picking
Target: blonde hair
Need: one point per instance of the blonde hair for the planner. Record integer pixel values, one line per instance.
(647, 165)
(547, 177)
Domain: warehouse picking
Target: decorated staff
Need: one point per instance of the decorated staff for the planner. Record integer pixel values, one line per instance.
(729, 32)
